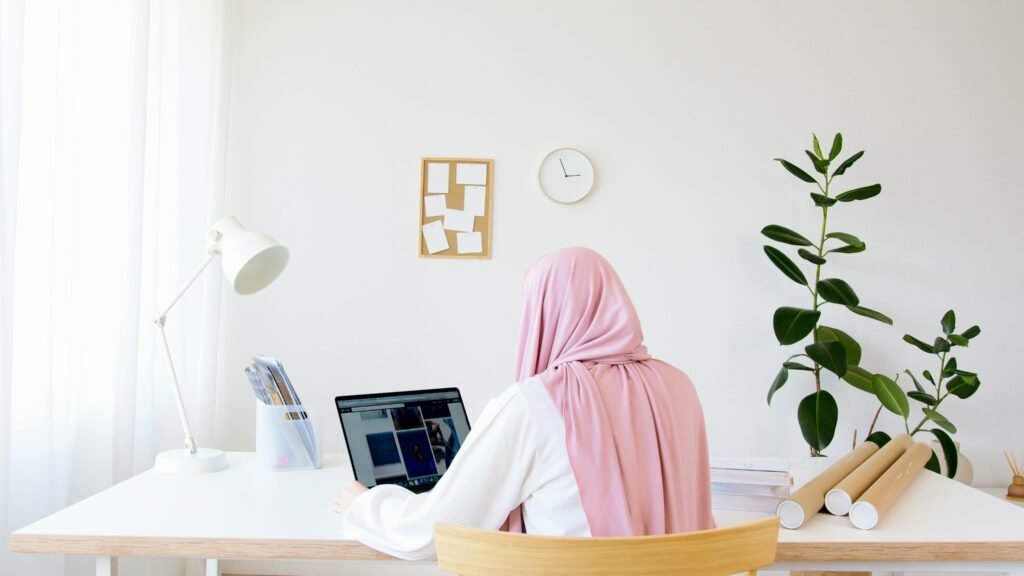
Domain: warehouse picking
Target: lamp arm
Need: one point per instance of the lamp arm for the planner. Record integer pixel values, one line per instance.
(210, 255)
(160, 320)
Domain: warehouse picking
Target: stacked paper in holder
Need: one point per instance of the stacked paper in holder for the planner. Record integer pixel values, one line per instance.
(750, 484)
(285, 434)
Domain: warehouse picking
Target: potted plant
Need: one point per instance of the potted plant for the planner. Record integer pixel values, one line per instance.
(947, 380)
(830, 348)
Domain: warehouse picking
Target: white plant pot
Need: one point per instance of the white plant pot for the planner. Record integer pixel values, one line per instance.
(964, 469)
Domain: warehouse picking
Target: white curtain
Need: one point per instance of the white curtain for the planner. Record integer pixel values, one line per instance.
(112, 128)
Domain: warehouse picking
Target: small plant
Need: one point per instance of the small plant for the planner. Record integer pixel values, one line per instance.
(831, 348)
(948, 380)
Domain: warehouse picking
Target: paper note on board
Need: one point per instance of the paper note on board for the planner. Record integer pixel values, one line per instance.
(437, 178)
(471, 174)
(435, 237)
(458, 220)
(469, 242)
(474, 200)
(434, 205)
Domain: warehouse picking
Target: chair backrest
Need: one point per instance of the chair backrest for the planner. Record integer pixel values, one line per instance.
(742, 548)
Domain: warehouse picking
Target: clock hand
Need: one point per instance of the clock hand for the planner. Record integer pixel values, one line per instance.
(563, 167)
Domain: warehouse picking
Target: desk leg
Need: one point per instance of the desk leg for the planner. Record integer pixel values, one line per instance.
(106, 566)
(212, 567)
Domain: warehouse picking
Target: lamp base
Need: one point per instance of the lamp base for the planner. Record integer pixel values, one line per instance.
(180, 461)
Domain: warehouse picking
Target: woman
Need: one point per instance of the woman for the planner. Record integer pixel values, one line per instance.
(596, 438)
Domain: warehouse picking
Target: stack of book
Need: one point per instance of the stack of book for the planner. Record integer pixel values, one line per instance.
(749, 484)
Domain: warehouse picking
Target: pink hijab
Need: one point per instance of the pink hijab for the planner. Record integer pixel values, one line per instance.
(634, 425)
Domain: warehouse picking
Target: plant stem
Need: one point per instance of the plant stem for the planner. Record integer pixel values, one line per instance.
(875, 420)
(814, 293)
(938, 393)
(817, 274)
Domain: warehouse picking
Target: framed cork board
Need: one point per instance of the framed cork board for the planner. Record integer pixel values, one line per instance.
(455, 207)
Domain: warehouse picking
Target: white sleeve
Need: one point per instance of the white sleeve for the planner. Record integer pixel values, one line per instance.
(491, 475)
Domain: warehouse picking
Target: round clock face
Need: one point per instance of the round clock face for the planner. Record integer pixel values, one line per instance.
(566, 175)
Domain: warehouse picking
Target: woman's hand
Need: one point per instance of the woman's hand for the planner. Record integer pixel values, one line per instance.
(341, 503)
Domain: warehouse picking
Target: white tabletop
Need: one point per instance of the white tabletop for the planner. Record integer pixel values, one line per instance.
(248, 512)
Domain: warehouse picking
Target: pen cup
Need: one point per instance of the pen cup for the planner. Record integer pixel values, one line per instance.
(287, 437)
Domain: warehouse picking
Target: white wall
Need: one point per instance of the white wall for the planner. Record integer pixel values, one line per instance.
(681, 106)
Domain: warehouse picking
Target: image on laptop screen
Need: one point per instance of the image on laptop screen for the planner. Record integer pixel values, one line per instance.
(404, 438)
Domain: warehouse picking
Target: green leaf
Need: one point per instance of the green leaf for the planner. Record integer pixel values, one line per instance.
(780, 380)
(928, 376)
(820, 166)
(948, 450)
(818, 415)
(853, 350)
(822, 201)
(785, 235)
(914, 379)
(797, 366)
(837, 291)
(941, 345)
(869, 313)
(963, 385)
(830, 355)
(787, 266)
(796, 171)
(817, 146)
(939, 419)
(880, 438)
(958, 340)
(851, 249)
(811, 256)
(859, 378)
(844, 237)
(950, 368)
(837, 147)
(933, 464)
(852, 243)
(891, 396)
(921, 345)
(794, 324)
(923, 397)
(971, 332)
(948, 322)
(847, 163)
(860, 193)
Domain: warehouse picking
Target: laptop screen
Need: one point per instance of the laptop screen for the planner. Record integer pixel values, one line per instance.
(403, 438)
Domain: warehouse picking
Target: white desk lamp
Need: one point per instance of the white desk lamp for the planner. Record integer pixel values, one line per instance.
(251, 261)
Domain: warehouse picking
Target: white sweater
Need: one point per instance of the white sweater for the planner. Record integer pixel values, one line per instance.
(514, 455)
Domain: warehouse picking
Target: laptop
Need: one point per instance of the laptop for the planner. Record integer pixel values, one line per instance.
(404, 438)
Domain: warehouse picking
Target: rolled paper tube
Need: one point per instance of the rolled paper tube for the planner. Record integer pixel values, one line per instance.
(806, 501)
(839, 499)
(878, 499)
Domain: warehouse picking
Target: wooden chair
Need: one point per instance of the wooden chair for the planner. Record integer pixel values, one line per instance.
(736, 549)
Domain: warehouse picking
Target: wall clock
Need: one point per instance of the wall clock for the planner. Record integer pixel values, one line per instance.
(566, 175)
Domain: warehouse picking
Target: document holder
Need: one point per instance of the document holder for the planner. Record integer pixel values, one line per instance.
(285, 438)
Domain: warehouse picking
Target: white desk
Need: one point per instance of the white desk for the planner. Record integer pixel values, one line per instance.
(245, 512)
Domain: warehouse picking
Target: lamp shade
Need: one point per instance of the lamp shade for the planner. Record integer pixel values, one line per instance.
(250, 260)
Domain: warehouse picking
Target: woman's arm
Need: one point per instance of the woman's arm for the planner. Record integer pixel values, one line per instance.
(492, 474)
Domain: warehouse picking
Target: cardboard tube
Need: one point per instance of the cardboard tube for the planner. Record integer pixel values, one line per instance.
(839, 499)
(878, 499)
(806, 501)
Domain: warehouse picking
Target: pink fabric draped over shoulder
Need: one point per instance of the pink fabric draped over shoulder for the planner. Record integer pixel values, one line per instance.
(634, 425)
